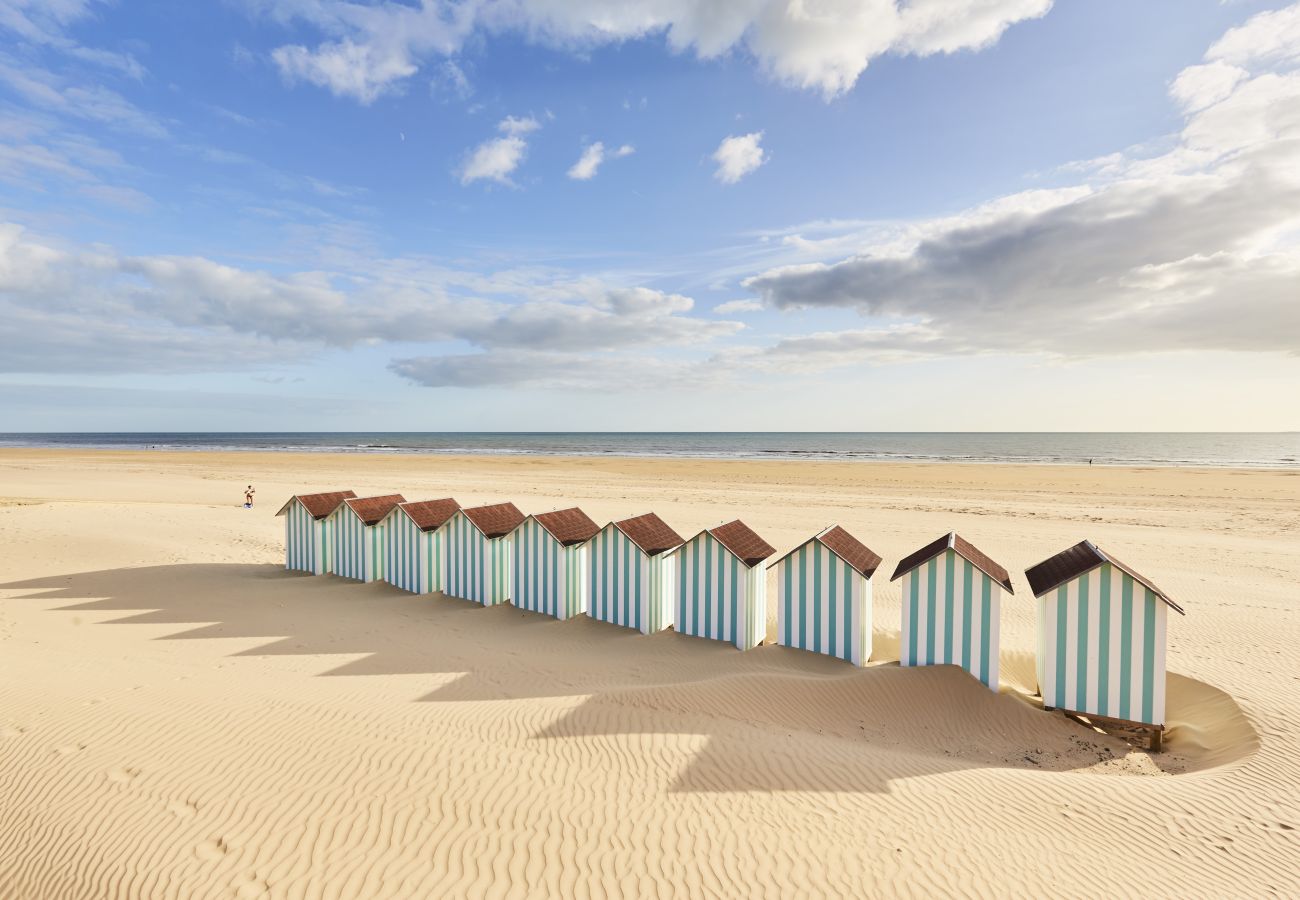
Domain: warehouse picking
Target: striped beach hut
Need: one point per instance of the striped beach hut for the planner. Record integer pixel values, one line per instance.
(1101, 640)
(952, 604)
(823, 590)
(307, 545)
(721, 585)
(417, 544)
(358, 536)
(632, 573)
(551, 562)
(478, 553)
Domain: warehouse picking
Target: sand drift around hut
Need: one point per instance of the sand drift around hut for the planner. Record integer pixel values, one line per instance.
(890, 722)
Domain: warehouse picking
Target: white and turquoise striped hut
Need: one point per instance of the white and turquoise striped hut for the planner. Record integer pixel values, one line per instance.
(632, 573)
(417, 544)
(358, 536)
(823, 590)
(552, 562)
(721, 585)
(478, 553)
(307, 546)
(952, 605)
(1101, 639)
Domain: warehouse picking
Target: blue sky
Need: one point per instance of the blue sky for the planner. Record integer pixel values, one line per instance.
(526, 214)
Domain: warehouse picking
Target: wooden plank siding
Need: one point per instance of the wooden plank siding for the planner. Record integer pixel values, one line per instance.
(951, 616)
(823, 604)
(629, 587)
(548, 577)
(477, 567)
(717, 596)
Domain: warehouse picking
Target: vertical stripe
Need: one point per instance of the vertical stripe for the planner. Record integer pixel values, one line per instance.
(1062, 617)
(950, 560)
(967, 601)
(1148, 656)
(1081, 644)
(930, 603)
(1125, 645)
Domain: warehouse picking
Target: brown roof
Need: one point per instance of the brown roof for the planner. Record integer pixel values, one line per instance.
(963, 548)
(495, 521)
(1083, 557)
(371, 509)
(650, 533)
(319, 505)
(568, 526)
(851, 550)
(740, 539)
(429, 515)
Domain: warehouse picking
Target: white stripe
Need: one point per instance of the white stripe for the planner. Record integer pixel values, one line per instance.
(1158, 700)
(1047, 647)
(905, 633)
(1139, 635)
(1071, 643)
(1094, 637)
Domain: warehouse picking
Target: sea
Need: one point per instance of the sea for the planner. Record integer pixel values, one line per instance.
(1275, 450)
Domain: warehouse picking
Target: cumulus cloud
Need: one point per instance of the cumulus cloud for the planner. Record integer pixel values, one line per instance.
(496, 159)
(823, 46)
(738, 155)
(592, 157)
(1197, 248)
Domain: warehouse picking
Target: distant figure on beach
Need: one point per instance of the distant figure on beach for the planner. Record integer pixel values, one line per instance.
(248, 497)
(1090, 462)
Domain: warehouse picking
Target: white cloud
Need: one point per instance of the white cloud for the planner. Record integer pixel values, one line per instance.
(592, 157)
(1197, 248)
(737, 306)
(822, 46)
(45, 23)
(496, 159)
(738, 155)
(55, 93)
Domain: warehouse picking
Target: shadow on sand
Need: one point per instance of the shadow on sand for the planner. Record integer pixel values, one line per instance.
(775, 718)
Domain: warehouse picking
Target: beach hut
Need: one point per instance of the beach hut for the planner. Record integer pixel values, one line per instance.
(721, 585)
(417, 544)
(306, 530)
(632, 573)
(550, 562)
(1101, 640)
(478, 553)
(823, 590)
(357, 534)
(952, 600)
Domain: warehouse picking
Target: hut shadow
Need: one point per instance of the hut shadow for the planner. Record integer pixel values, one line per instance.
(771, 718)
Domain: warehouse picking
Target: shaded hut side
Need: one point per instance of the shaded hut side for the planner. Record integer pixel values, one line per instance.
(358, 536)
(478, 553)
(307, 547)
(417, 544)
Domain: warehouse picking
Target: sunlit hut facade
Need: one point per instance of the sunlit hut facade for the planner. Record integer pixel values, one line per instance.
(632, 573)
(952, 603)
(721, 585)
(823, 590)
(417, 544)
(551, 562)
(478, 553)
(307, 545)
(1101, 639)
(358, 536)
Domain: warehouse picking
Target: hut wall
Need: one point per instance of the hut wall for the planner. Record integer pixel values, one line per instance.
(549, 578)
(629, 587)
(1101, 647)
(477, 568)
(951, 616)
(359, 550)
(823, 604)
(306, 541)
(414, 557)
(719, 597)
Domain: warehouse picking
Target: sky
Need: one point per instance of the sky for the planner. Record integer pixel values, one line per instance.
(883, 215)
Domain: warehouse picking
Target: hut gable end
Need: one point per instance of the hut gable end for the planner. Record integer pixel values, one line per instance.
(430, 515)
(743, 543)
(495, 521)
(849, 549)
(372, 510)
(568, 526)
(1083, 557)
(650, 533)
(319, 506)
(963, 548)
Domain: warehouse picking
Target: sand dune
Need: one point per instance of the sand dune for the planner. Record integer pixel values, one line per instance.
(181, 717)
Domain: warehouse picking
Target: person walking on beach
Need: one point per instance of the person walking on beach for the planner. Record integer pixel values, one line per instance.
(248, 497)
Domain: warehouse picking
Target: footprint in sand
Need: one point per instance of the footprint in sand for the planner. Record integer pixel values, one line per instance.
(124, 774)
(187, 810)
(212, 849)
(249, 887)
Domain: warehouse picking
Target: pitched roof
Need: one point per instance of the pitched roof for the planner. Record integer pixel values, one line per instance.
(1083, 557)
(371, 509)
(496, 520)
(318, 505)
(429, 515)
(741, 540)
(963, 548)
(568, 526)
(650, 533)
(848, 548)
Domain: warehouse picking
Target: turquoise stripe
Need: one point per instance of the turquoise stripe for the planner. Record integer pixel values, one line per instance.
(1062, 620)
(735, 604)
(915, 610)
(1125, 644)
(832, 607)
(1081, 647)
(788, 571)
(803, 598)
(816, 599)
(967, 626)
(986, 631)
(949, 576)
(639, 602)
(1149, 660)
(707, 599)
(932, 570)
(1103, 643)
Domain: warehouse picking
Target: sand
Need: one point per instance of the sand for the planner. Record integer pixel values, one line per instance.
(180, 717)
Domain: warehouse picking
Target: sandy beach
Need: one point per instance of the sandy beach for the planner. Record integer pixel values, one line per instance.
(181, 717)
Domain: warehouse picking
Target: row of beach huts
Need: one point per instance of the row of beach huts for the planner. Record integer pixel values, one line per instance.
(1101, 625)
